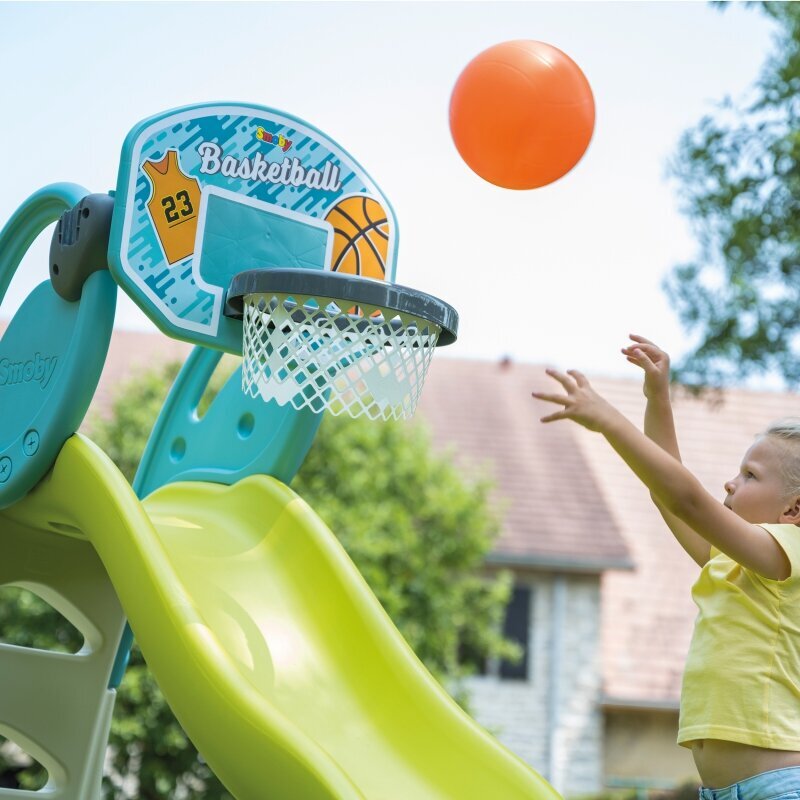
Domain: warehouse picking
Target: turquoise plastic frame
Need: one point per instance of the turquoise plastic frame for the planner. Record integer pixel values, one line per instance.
(52, 354)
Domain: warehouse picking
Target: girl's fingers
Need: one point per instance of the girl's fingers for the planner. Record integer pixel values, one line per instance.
(645, 366)
(637, 359)
(653, 352)
(644, 356)
(551, 398)
(553, 417)
(563, 379)
(638, 355)
(640, 339)
(650, 349)
(579, 377)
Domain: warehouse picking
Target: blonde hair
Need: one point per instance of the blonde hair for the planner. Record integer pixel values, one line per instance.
(788, 431)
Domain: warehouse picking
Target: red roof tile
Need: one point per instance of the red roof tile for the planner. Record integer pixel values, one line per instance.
(131, 353)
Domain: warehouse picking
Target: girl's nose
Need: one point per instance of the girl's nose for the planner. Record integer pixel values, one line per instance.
(729, 487)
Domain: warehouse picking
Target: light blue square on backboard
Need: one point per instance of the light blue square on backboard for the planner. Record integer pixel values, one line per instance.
(237, 232)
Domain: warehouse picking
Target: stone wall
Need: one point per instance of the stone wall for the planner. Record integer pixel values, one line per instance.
(553, 720)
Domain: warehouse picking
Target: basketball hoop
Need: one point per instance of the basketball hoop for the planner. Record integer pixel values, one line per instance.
(324, 340)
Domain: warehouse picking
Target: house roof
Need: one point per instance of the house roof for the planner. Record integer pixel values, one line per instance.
(554, 513)
(569, 503)
(131, 353)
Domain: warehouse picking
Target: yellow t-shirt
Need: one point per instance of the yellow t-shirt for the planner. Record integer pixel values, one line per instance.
(742, 676)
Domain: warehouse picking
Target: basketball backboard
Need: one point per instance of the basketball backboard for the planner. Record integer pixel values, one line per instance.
(207, 191)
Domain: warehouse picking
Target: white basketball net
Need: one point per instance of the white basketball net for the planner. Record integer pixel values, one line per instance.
(312, 353)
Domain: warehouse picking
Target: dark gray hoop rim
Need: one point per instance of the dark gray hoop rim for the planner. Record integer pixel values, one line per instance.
(337, 286)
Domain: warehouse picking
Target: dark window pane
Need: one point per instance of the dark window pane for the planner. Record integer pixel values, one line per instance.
(515, 628)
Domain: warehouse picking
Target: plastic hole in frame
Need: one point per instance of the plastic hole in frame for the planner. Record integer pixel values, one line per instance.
(51, 357)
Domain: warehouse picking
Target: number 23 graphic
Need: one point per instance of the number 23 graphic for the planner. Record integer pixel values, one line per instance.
(170, 206)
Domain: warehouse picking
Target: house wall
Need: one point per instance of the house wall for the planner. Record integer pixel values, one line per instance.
(640, 750)
(553, 720)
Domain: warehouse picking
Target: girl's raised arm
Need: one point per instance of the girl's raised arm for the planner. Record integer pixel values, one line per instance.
(675, 487)
(659, 426)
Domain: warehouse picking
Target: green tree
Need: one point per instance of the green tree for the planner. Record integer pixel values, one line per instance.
(739, 176)
(416, 529)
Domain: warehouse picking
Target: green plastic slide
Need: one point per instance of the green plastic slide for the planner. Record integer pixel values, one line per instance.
(270, 648)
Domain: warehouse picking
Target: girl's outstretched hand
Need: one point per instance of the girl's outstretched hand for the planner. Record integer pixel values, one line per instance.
(653, 360)
(581, 403)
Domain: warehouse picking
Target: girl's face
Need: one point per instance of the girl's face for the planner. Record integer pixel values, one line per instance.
(758, 493)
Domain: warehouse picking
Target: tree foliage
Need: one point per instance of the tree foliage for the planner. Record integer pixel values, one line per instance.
(739, 176)
(415, 528)
(417, 531)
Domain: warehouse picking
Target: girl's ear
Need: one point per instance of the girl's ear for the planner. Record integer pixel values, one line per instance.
(791, 515)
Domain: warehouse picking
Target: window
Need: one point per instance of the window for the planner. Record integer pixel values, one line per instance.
(515, 628)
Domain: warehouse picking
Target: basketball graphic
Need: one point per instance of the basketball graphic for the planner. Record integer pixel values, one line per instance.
(360, 236)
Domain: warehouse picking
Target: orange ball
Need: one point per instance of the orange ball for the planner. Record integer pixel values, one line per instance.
(521, 114)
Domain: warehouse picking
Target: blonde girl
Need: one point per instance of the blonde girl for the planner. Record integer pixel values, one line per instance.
(740, 699)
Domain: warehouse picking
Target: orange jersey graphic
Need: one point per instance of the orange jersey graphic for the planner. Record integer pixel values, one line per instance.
(173, 206)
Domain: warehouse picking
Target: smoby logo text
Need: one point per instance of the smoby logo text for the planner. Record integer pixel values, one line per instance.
(277, 139)
(38, 369)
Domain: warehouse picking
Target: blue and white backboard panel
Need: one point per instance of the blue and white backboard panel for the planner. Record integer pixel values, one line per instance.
(207, 191)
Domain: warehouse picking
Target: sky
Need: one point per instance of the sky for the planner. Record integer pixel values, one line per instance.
(558, 275)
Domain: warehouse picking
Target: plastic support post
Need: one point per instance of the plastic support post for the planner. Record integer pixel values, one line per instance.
(238, 435)
(58, 706)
